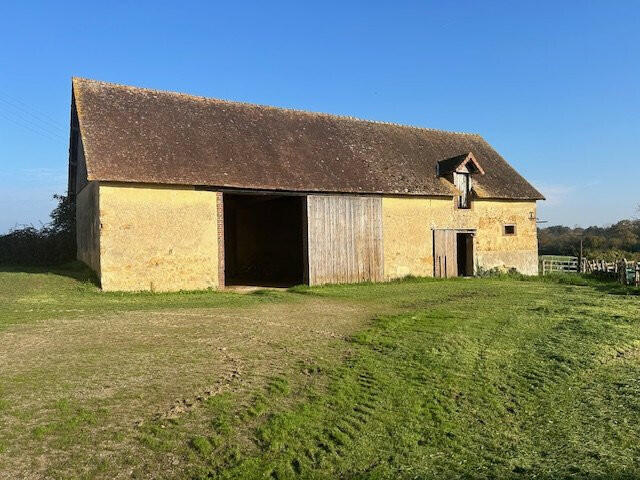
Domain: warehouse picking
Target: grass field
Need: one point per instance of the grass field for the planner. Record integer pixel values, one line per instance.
(482, 378)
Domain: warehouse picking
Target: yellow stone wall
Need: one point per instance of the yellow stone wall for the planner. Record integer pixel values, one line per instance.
(408, 238)
(141, 237)
(157, 238)
(88, 226)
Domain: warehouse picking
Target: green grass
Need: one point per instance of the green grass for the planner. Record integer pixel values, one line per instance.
(476, 388)
(502, 377)
(32, 293)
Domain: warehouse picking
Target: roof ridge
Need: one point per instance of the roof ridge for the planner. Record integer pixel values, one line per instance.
(270, 107)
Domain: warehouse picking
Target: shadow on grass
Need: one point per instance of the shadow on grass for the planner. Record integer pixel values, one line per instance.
(80, 272)
(75, 270)
(601, 283)
(617, 289)
(597, 282)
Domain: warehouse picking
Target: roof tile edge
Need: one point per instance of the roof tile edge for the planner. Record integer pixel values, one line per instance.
(263, 106)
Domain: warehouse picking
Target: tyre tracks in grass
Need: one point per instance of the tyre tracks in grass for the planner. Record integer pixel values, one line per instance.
(315, 437)
(346, 426)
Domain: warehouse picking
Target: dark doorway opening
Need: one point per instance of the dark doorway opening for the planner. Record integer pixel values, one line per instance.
(264, 239)
(464, 242)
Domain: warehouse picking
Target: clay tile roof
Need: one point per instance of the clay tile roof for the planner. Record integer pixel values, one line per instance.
(147, 136)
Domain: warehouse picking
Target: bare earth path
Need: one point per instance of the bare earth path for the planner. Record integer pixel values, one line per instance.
(131, 367)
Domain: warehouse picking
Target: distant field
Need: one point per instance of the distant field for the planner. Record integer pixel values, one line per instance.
(476, 378)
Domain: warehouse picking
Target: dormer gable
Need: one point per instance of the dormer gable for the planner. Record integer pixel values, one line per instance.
(459, 170)
(465, 163)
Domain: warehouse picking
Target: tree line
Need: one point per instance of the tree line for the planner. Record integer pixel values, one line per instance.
(50, 244)
(620, 240)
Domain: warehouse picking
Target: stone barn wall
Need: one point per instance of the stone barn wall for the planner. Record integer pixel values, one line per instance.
(142, 237)
(158, 238)
(408, 239)
(88, 226)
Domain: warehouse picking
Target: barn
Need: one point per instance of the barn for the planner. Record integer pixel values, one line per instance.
(179, 192)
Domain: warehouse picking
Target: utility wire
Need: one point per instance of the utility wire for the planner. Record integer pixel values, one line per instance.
(23, 116)
(29, 109)
(30, 119)
(24, 122)
(57, 138)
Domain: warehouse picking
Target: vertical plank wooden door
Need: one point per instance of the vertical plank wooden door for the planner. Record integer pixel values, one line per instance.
(344, 239)
(445, 254)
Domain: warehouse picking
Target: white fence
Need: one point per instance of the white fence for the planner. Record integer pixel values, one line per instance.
(557, 264)
(627, 273)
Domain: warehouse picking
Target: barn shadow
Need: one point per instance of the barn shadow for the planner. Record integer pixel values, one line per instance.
(613, 288)
(75, 270)
(604, 283)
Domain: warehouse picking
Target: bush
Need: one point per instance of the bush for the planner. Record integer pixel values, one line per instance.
(52, 244)
(497, 272)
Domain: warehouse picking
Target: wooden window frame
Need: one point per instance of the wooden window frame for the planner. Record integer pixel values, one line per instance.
(504, 230)
(466, 194)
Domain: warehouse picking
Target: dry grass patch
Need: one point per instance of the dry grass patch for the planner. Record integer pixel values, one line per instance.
(76, 388)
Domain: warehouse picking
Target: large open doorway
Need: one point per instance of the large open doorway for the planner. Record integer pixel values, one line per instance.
(264, 239)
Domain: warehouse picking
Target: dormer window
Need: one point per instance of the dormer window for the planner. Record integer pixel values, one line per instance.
(459, 171)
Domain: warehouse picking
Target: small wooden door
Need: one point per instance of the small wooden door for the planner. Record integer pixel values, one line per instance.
(445, 254)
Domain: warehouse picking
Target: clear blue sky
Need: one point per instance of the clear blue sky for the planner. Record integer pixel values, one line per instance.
(554, 86)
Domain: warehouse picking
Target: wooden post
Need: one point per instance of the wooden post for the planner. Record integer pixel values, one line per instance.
(580, 259)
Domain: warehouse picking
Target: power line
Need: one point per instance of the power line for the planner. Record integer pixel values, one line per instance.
(27, 126)
(20, 115)
(23, 122)
(30, 118)
(31, 110)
